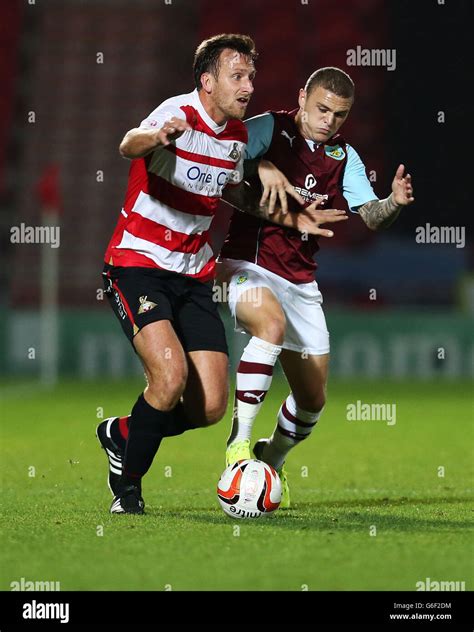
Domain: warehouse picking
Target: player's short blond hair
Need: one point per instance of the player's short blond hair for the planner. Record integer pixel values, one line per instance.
(333, 79)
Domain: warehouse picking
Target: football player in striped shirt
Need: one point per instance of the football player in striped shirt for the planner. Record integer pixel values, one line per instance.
(159, 265)
(270, 269)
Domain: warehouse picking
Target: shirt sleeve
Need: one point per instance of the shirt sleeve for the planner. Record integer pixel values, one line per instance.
(160, 115)
(260, 131)
(356, 187)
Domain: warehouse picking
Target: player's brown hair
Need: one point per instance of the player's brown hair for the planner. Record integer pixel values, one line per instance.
(207, 56)
(333, 79)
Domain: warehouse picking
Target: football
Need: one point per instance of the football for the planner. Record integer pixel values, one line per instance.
(249, 489)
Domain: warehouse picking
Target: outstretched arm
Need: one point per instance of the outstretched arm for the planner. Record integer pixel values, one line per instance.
(380, 214)
(247, 199)
(139, 142)
(275, 185)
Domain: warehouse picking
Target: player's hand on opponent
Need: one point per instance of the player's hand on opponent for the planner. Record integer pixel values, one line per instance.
(171, 130)
(275, 185)
(402, 188)
(311, 218)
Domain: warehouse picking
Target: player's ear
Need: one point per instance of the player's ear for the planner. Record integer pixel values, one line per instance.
(207, 82)
(302, 97)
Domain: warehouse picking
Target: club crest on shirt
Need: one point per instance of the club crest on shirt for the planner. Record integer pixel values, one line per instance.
(145, 305)
(241, 279)
(235, 153)
(334, 151)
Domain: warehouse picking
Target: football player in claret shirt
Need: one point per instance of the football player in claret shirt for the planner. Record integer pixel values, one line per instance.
(159, 265)
(301, 149)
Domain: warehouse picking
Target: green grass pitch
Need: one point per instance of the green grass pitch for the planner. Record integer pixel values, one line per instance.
(372, 513)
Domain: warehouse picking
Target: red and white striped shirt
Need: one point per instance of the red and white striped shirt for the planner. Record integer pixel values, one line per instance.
(173, 193)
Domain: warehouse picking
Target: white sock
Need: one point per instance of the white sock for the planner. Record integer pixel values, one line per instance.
(293, 426)
(254, 376)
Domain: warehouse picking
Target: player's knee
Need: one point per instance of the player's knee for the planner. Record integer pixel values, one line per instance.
(273, 329)
(312, 404)
(166, 391)
(213, 413)
(165, 400)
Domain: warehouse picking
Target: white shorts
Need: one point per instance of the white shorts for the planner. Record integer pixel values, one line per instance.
(306, 330)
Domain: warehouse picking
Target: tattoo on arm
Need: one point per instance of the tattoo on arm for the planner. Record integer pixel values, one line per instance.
(379, 214)
(247, 199)
(251, 168)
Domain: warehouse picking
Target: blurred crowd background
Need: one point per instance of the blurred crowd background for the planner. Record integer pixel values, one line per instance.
(77, 74)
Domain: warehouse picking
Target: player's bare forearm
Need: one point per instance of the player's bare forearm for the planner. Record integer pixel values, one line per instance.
(308, 220)
(380, 214)
(247, 199)
(251, 168)
(137, 143)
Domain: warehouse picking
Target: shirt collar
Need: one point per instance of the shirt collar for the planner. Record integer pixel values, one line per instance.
(313, 145)
(217, 129)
